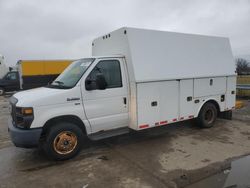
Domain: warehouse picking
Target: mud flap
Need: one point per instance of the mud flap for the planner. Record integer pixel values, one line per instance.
(226, 115)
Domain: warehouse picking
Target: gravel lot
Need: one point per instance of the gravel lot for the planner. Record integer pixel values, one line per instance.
(172, 156)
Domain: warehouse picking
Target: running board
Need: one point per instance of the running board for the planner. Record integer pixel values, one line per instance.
(109, 133)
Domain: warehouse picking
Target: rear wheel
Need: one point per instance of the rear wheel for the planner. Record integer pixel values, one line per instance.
(207, 115)
(63, 141)
(1, 91)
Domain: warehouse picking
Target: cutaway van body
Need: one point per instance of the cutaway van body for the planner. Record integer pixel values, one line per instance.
(136, 79)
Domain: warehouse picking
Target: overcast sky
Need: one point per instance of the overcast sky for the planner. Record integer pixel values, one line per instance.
(50, 29)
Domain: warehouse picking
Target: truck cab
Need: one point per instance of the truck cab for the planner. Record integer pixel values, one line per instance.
(10, 82)
(89, 97)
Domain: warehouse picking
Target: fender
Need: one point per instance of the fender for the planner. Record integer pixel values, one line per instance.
(213, 99)
(67, 118)
(45, 113)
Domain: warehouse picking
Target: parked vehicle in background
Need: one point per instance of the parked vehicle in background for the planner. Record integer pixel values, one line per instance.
(32, 74)
(3, 71)
(137, 79)
(10, 82)
(3, 67)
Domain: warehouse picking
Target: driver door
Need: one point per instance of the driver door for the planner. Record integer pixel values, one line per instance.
(108, 108)
(12, 81)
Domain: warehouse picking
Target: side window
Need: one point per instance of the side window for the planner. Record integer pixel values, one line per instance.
(111, 71)
(11, 76)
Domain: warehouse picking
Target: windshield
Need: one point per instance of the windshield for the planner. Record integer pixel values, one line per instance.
(72, 74)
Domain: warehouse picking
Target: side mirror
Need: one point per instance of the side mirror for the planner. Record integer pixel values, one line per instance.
(88, 85)
(101, 81)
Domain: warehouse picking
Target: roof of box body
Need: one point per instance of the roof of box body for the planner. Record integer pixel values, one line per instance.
(160, 55)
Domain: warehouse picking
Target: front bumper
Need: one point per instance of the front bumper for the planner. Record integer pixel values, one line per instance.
(25, 138)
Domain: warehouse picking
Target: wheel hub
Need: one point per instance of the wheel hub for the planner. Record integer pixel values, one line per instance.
(65, 142)
(209, 116)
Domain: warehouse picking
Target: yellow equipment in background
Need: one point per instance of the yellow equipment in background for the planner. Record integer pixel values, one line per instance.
(43, 67)
(37, 73)
(243, 80)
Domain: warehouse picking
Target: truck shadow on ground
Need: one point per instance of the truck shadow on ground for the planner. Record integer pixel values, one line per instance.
(148, 138)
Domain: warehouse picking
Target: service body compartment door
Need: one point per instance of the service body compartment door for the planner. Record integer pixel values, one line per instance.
(186, 99)
(209, 86)
(231, 92)
(157, 103)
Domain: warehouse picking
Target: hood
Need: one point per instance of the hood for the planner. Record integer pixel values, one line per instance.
(46, 96)
(1, 80)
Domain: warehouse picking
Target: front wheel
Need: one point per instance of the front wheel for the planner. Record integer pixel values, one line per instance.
(63, 141)
(207, 115)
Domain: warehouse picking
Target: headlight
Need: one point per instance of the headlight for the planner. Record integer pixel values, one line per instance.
(27, 111)
(23, 117)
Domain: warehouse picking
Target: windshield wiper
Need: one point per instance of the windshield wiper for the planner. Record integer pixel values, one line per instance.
(59, 83)
(59, 86)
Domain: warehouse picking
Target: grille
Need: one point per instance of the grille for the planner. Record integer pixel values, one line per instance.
(13, 113)
(13, 102)
(18, 119)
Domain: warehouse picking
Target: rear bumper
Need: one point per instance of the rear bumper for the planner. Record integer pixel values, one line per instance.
(24, 138)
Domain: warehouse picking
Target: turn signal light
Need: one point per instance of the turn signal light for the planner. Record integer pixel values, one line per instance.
(27, 111)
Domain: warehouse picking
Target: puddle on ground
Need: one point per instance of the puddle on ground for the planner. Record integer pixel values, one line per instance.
(238, 176)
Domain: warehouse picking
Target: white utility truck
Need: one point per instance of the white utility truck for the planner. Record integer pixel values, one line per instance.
(136, 79)
(3, 67)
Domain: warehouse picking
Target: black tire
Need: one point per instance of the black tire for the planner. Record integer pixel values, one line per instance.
(51, 142)
(207, 115)
(2, 91)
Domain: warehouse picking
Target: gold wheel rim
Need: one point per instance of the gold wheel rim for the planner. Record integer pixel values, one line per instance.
(65, 142)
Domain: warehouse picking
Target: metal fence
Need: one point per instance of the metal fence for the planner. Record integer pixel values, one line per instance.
(243, 86)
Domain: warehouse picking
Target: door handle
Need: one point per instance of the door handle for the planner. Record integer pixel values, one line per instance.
(124, 100)
(189, 98)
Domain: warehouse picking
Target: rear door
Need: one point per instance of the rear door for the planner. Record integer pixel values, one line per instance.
(107, 109)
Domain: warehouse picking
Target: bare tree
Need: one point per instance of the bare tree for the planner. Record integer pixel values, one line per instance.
(242, 66)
